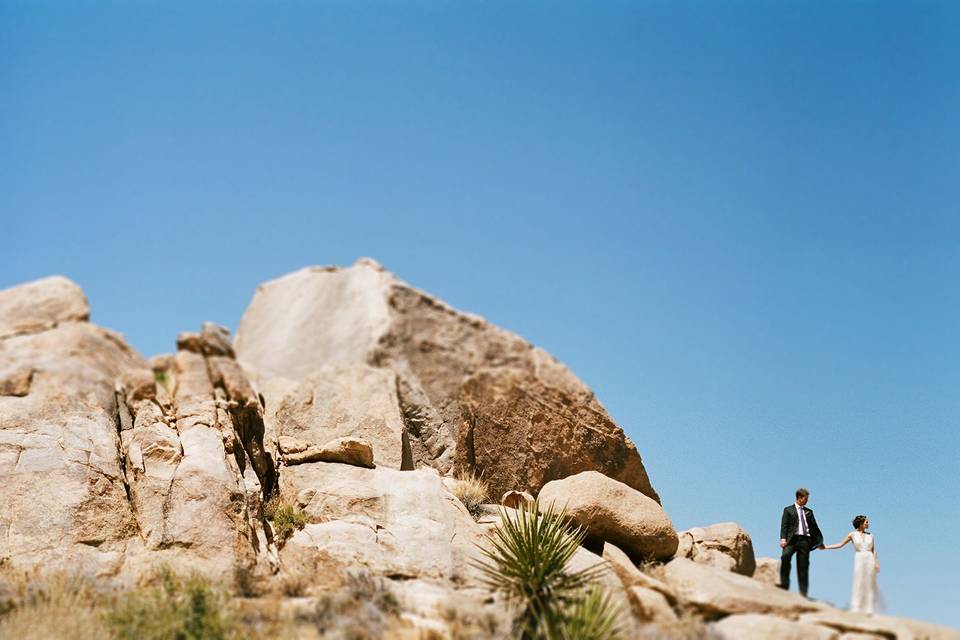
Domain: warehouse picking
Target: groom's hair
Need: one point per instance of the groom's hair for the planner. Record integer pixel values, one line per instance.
(858, 521)
(801, 492)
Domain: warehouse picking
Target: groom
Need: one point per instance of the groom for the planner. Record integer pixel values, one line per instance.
(799, 534)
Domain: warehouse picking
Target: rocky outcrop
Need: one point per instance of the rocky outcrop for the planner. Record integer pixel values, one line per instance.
(613, 512)
(465, 390)
(752, 626)
(40, 305)
(355, 401)
(197, 468)
(716, 592)
(61, 482)
(725, 545)
(399, 524)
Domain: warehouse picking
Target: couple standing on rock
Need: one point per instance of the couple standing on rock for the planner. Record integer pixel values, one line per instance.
(799, 534)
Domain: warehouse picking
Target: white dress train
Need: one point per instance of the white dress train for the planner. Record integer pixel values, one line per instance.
(863, 598)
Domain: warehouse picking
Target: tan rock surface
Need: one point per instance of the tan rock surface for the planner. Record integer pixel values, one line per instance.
(879, 625)
(41, 305)
(355, 401)
(725, 545)
(631, 576)
(346, 450)
(767, 571)
(401, 524)
(753, 626)
(455, 378)
(650, 606)
(613, 512)
(61, 484)
(716, 592)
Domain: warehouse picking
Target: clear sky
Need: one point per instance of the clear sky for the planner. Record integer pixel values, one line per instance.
(736, 221)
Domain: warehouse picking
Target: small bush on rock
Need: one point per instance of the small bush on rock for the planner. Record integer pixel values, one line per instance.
(364, 608)
(472, 492)
(286, 518)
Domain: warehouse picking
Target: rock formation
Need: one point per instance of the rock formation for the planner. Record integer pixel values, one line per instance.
(463, 391)
(324, 442)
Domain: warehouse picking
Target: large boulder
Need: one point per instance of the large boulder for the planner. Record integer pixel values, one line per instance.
(466, 389)
(716, 592)
(725, 545)
(613, 512)
(753, 626)
(40, 305)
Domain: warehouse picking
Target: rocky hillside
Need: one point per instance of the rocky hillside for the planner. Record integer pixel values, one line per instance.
(335, 437)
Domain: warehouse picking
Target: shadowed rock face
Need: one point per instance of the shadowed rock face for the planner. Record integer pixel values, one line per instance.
(471, 396)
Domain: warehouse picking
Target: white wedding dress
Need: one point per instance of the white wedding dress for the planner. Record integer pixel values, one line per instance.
(864, 595)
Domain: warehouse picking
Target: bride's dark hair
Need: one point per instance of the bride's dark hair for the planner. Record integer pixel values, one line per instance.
(859, 520)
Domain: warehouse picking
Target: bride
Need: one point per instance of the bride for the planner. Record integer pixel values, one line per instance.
(865, 566)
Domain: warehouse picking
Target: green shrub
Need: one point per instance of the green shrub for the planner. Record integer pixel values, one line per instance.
(286, 518)
(526, 561)
(177, 609)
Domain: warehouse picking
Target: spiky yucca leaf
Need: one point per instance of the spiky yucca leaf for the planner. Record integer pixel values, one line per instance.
(592, 617)
(526, 561)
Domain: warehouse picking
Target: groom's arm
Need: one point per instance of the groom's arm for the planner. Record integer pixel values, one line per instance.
(784, 528)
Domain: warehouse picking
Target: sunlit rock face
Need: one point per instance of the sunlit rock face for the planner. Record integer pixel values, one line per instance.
(471, 397)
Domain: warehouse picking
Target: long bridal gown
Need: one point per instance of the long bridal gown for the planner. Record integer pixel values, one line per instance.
(864, 595)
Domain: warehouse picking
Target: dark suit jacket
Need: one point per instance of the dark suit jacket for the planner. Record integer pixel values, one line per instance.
(790, 522)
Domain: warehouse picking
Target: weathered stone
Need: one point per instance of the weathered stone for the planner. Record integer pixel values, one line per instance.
(41, 305)
(346, 450)
(402, 524)
(515, 499)
(650, 606)
(61, 483)
(753, 626)
(16, 382)
(355, 401)
(716, 592)
(767, 571)
(551, 432)
(455, 378)
(631, 576)
(884, 626)
(613, 512)
(725, 545)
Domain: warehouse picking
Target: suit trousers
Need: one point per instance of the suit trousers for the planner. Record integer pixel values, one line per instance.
(799, 545)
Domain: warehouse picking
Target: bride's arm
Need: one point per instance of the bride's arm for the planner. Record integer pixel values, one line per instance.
(839, 544)
(876, 560)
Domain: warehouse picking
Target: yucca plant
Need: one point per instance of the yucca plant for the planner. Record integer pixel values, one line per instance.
(526, 560)
(592, 617)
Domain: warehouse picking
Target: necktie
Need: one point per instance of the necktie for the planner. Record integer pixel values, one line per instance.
(803, 523)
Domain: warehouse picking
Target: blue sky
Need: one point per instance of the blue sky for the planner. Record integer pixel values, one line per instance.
(737, 222)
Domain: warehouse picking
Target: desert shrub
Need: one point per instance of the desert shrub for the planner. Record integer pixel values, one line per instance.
(177, 608)
(467, 620)
(526, 561)
(472, 491)
(51, 607)
(364, 608)
(286, 518)
(593, 617)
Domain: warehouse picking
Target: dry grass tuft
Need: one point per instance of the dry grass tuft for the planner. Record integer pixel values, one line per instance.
(472, 491)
